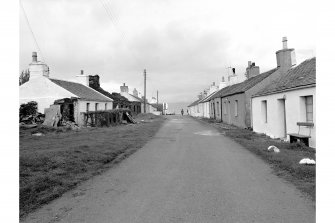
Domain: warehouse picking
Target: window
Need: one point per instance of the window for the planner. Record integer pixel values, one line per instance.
(105, 106)
(264, 111)
(236, 108)
(309, 108)
(96, 106)
(87, 107)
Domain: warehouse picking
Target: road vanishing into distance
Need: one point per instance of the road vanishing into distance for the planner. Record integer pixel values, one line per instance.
(188, 172)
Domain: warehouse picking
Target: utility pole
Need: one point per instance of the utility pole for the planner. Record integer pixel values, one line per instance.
(145, 90)
(157, 98)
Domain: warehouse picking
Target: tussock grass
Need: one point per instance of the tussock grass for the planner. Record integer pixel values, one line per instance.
(285, 164)
(61, 159)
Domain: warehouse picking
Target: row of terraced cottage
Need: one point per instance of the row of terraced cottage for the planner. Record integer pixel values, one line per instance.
(78, 97)
(279, 103)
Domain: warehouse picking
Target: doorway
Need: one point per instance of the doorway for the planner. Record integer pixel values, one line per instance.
(282, 118)
(229, 113)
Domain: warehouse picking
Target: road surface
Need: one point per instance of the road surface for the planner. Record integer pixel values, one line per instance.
(188, 172)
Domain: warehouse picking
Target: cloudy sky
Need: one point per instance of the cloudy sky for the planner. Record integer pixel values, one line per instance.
(185, 45)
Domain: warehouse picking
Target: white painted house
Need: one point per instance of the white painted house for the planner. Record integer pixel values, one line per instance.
(45, 90)
(134, 98)
(280, 106)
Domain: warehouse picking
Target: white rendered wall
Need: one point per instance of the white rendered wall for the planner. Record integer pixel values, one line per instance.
(206, 110)
(81, 107)
(43, 91)
(295, 112)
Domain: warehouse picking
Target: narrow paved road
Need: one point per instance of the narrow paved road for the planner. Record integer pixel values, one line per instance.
(187, 173)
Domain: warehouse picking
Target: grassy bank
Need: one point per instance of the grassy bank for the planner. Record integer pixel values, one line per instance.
(285, 164)
(61, 158)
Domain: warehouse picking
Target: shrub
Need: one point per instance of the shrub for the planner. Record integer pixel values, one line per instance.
(28, 109)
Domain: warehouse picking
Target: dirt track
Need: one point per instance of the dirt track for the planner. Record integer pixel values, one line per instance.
(187, 173)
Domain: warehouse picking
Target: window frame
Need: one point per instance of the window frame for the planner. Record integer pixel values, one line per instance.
(87, 107)
(264, 110)
(307, 106)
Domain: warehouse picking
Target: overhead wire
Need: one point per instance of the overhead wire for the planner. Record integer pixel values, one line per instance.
(116, 22)
(31, 30)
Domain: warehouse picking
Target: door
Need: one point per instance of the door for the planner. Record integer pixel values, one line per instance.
(229, 113)
(282, 118)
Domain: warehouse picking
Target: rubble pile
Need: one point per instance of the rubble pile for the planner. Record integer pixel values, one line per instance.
(69, 124)
(37, 118)
(29, 115)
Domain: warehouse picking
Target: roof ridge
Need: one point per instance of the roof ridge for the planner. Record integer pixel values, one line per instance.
(79, 90)
(84, 86)
(301, 75)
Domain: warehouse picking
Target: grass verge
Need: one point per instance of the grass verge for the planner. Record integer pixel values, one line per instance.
(61, 158)
(284, 164)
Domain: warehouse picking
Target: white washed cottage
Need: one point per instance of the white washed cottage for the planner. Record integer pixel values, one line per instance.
(286, 107)
(45, 90)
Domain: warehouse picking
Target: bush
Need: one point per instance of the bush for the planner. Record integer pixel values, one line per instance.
(28, 109)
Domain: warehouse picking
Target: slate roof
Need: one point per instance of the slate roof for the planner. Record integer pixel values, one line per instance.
(300, 76)
(131, 97)
(82, 91)
(207, 98)
(194, 103)
(243, 86)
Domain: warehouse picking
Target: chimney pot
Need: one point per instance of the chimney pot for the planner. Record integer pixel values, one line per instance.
(249, 63)
(284, 42)
(82, 72)
(34, 57)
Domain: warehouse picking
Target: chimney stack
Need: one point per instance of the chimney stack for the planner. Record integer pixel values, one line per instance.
(83, 79)
(37, 68)
(135, 92)
(223, 83)
(212, 88)
(252, 70)
(34, 57)
(94, 80)
(124, 88)
(200, 96)
(285, 57)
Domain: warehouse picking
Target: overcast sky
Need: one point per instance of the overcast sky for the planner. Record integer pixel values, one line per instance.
(185, 45)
